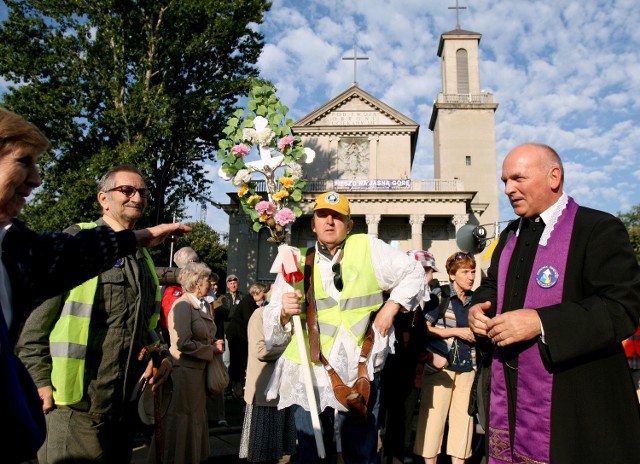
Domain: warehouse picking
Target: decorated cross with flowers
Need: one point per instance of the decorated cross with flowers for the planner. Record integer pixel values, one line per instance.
(264, 130)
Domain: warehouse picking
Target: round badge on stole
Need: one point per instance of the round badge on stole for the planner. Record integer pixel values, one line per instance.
(547, 276)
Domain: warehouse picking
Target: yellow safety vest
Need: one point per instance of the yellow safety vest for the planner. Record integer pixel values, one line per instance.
(361, 295)
(68, 339)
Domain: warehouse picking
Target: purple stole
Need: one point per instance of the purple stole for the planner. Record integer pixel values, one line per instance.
(532, 441)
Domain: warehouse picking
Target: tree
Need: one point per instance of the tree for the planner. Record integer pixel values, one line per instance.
(206, 242)
(144, 82)
(631, 220)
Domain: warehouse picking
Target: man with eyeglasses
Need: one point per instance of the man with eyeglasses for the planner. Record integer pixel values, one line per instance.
(348, 274)
(562, 292)
(82, 348)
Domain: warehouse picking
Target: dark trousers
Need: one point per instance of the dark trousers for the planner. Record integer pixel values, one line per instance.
(359, 442)
(238, 353)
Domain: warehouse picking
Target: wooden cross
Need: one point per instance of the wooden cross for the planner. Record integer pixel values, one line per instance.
(355, 59)
(457, 8)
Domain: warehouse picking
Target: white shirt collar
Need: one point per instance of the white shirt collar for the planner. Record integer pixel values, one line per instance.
(550, 217)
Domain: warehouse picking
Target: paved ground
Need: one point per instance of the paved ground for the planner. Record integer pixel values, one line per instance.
(225, 441)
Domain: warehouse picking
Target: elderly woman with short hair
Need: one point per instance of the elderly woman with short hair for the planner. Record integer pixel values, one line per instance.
(35, 267)
(193, 344)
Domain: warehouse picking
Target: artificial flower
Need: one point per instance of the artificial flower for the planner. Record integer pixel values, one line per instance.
(264, 137)
(240, 150)
(253, 199)
(287, 182)
(279, 196)
(266, 207)
(284, 216)
(294, 171)
(285, 142)
(243, 176)
(249, 133)
(223, 174)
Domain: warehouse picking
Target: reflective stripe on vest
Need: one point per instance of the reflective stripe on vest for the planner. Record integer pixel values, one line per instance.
(68, 339)
(360, 296)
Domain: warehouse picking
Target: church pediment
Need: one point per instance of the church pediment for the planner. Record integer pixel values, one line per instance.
(355, 108)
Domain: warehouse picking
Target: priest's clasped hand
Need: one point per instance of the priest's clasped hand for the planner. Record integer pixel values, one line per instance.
(507, 328)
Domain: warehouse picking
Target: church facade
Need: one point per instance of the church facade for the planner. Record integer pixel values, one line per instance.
(366, 150)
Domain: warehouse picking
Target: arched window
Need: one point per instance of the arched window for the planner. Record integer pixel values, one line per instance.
(462, 66)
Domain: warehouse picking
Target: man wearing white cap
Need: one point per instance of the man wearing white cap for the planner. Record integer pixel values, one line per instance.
(402, 375)
(346, 276)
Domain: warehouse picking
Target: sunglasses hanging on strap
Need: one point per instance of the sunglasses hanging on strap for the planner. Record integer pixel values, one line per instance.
(354, 398)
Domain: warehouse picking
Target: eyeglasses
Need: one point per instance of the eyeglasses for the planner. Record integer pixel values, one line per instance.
(337, 276)
(129, 191)
(461, 255)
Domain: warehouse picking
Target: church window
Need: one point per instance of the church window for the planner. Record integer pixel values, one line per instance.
(462, 66)
(467, 160)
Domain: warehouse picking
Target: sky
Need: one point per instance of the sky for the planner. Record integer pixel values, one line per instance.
(564, 72)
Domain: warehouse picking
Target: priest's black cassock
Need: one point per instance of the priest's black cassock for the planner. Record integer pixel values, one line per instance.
(595, 416)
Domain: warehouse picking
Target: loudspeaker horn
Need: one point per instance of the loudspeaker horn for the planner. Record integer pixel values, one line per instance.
(471, 238)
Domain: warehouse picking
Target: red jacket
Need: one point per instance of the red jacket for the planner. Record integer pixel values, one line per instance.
(171, 294)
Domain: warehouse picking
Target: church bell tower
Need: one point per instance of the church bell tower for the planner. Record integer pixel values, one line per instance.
(463, 125)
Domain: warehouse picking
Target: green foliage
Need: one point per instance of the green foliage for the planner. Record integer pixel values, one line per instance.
(148, 83)
(631, 220)
(264, 128)
(208, 244)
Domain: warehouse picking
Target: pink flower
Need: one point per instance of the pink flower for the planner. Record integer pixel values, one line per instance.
(284, 217)
(265, 207)
(285, 141)
(240, 150)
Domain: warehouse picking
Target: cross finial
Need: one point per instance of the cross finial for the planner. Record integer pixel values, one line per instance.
(457, 8)
(355, 59)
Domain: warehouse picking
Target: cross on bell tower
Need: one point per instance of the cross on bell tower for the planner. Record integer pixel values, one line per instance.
(457, 8)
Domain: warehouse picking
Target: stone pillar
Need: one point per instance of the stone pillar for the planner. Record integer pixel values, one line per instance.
(372, 224)
(459, 221)
(416, 221)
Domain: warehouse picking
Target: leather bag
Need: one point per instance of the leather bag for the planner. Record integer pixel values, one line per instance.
(217, 375)
(354, 398)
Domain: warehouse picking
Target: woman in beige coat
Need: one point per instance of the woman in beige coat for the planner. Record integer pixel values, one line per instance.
(193, 344)
(267, 433)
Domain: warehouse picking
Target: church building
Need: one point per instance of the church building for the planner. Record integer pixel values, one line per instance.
(366, 150)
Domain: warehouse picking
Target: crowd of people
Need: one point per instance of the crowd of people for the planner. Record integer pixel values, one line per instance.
(331, 367)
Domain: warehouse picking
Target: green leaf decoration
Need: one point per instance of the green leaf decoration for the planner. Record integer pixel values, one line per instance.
(283, 174)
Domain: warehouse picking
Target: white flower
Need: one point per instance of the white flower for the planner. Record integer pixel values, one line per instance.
(294, 170)
(249, 134)
(223, 174)
(310, 155)
(243, 176)
(264, 137)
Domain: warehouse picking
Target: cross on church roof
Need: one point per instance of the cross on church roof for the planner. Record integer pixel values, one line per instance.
(457, 8)
(355, 59)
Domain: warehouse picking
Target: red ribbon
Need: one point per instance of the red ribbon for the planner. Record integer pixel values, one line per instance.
(290, 270)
